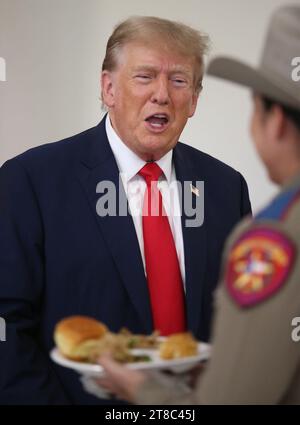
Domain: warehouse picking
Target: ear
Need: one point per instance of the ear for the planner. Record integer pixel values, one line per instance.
(107, 88)
(277, 123)
(194, 103)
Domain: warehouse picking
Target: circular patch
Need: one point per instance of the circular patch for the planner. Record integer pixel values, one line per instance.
(258, 265)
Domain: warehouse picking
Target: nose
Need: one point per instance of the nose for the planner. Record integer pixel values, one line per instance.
(161, 94)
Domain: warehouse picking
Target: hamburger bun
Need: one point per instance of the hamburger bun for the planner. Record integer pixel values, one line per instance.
(76, 336)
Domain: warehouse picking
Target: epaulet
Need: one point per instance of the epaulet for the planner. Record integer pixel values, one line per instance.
(281, 205)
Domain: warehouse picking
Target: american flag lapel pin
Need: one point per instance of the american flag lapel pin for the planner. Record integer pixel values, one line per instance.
(194, 190)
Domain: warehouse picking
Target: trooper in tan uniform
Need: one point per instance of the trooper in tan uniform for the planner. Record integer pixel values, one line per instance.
(255, 359)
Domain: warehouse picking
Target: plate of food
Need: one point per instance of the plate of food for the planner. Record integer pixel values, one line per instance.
(81, 340)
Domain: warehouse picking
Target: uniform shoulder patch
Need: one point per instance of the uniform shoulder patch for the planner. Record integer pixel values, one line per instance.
(258, 265)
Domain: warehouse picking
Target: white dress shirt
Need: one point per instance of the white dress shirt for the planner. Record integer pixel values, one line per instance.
(129, 165)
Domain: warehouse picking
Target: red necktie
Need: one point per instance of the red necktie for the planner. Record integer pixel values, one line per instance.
(162, 266)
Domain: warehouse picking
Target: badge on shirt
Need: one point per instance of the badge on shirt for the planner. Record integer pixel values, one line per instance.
(258, 265)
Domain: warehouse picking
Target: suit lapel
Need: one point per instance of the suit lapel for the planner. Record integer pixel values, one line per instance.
(98, 165)
(194, 239)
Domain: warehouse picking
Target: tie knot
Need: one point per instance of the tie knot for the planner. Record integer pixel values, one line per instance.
(151, 172)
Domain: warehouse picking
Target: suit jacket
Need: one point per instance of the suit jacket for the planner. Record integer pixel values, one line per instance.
(59, 258)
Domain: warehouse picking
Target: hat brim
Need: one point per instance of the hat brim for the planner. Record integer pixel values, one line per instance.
(240, 73)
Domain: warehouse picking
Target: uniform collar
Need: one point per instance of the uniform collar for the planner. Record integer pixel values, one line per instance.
(294, 182)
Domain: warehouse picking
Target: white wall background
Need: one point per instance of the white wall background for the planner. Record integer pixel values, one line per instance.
(54, 50)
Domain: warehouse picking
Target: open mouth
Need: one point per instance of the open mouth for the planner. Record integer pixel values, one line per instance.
(158, 121)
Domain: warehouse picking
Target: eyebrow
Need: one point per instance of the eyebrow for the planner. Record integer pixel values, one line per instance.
(151, 68)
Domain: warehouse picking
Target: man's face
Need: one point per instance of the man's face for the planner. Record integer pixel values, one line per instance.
(150, 97)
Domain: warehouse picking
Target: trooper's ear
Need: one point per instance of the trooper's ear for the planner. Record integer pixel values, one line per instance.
(107, 88)
(278, 122)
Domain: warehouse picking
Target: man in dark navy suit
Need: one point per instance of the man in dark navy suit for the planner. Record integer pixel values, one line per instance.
(66, 250)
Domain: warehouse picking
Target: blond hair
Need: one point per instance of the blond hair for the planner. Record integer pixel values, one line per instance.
(147, 29)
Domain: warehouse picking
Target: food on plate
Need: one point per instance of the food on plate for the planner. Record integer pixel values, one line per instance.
(117, 346)
(85, 339)
(177, 346)
(76, 336)
(140, 341)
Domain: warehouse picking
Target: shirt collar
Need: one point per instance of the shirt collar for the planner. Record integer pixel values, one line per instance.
(128, 162)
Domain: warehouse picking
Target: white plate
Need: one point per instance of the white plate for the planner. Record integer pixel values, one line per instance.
(175, 365)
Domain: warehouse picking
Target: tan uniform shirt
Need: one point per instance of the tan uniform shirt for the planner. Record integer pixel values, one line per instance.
(254, 358)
